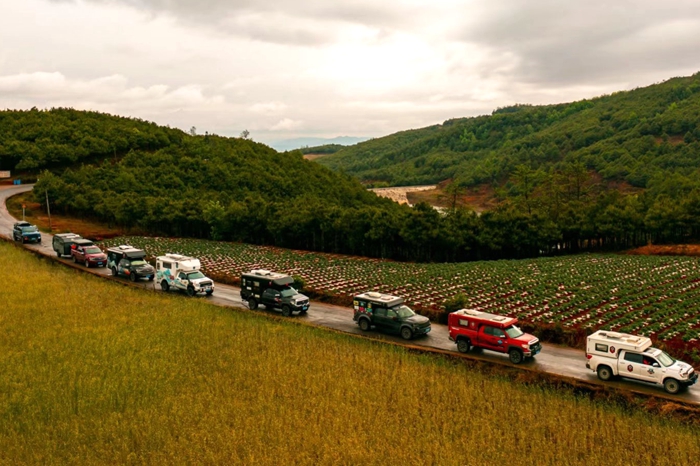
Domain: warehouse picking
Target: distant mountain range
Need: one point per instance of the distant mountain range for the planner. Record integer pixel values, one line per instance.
(299, 143)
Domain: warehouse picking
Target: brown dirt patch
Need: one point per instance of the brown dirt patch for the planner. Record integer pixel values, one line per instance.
(667, 250)
(479, 198)
(59, 223)
(313, 156)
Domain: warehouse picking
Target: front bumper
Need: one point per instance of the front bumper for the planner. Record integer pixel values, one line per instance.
(422, 330)
(691, 380)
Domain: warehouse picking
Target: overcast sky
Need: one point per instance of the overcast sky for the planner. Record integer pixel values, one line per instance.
(326, 68)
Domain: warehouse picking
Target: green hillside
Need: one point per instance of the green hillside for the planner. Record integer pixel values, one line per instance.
(639, 137)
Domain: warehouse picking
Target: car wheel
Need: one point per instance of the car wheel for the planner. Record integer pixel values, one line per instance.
(75, 261)
(114, 271)
(190, 291)
(406, 333)
(87, 264)
(365, 325)
(164, 285)
(672, 386)
(303, 311)
(132, 276)
(516, 357)
(604, 373)
(58, 254)
(209, 293)
(286, 311)
(150, 279)
(463, 345)
(252, 304)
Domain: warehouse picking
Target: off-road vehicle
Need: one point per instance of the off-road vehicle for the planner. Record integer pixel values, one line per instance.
(274, 291)
(388, 313)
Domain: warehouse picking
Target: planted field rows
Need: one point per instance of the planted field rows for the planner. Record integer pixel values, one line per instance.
(650, 295)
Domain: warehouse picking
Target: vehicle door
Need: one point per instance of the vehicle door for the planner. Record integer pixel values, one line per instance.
(79, 253)
(650, 370)
(181, 281)
(379, 317)
(124, 266)
(630, 365)
(271, 297)
(393, 324)
(487, 339)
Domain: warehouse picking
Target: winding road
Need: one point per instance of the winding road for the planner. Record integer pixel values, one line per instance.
(560, 361)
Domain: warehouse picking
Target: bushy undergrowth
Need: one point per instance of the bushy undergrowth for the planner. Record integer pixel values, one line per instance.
(92, 372)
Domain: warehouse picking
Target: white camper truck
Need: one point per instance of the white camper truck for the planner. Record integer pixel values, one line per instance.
(182, 273)
(613, 354)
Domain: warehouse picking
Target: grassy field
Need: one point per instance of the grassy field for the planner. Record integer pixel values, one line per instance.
(92, 372)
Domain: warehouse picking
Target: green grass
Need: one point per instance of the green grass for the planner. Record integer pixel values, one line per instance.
(92, 372)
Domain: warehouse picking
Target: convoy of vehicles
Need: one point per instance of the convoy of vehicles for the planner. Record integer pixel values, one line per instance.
(178, 272)
(274, 291)
(613, 354)
(26, 233)
(130, 262)
(470, 328)
(608, 353)
(388, 313)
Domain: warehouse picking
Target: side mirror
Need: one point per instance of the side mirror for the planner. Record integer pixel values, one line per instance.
(656, 364)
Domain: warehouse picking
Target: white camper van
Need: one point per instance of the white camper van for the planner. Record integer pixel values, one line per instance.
(182, 273)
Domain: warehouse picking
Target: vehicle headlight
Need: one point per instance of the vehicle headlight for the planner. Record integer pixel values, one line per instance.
(525, 345)
(683, 376)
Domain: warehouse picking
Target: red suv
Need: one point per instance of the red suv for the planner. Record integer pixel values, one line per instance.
(88, 254)
(470, 328)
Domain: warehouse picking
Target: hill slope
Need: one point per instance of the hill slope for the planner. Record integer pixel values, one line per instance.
(638, 137)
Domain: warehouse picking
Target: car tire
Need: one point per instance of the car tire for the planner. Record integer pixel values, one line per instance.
(516, 356)
(604, 373)
(286, 311)
(75, 261)
(150, 279)
(164, 285)
(87, 264)
(252, 304)
(209, 293)
(672, 386)
(406, 333)
(365, 324)
(114, 271)
(58, 254)
(190, 291)
(303, 311)
(463, 345)
(132, 277)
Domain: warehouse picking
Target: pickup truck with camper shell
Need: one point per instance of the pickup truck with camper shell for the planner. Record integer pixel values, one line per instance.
(129, 261)
(470, 328)
(388, 313)
(178, 272)
(274, 291)
(85, 252)
(26, 233)
(62, 243)
(611, 354)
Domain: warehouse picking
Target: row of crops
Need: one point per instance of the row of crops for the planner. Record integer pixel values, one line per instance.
(657, 295)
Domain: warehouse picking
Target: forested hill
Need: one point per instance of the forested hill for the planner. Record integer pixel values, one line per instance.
(31, 140)
(639, 137)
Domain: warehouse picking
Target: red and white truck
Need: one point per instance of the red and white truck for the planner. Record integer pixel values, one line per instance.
(470, 328)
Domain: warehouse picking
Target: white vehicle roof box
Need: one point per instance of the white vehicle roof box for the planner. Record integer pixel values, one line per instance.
(621, 340)
(181, 262)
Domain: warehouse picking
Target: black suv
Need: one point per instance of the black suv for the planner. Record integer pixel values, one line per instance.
(129, 261)
(26, 233)
(388, 313)
(274, 291)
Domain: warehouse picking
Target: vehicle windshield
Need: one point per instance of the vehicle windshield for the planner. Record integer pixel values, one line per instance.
(288, 292)
(665, 359)
(403, 311)
(29, 229)
(514, 332)
(195, 275)
(94, 250)
(138, 262)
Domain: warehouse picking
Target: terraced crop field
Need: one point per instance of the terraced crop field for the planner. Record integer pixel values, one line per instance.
(651, 295)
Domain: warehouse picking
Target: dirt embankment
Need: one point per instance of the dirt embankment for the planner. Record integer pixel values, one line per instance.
(399, 193)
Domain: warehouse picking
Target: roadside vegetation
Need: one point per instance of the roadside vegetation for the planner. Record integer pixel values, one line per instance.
(94, 372)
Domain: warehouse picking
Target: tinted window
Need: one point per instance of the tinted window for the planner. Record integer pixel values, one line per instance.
(380, 311)
(633, 357)
(391, 313)
(601, 347)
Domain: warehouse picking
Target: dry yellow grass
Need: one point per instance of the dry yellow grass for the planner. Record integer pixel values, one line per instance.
(94, 373)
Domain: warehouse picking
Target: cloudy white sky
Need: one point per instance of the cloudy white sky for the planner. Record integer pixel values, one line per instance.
(324, 68)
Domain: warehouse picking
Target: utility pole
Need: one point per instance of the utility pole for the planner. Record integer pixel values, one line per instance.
(48, 210)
